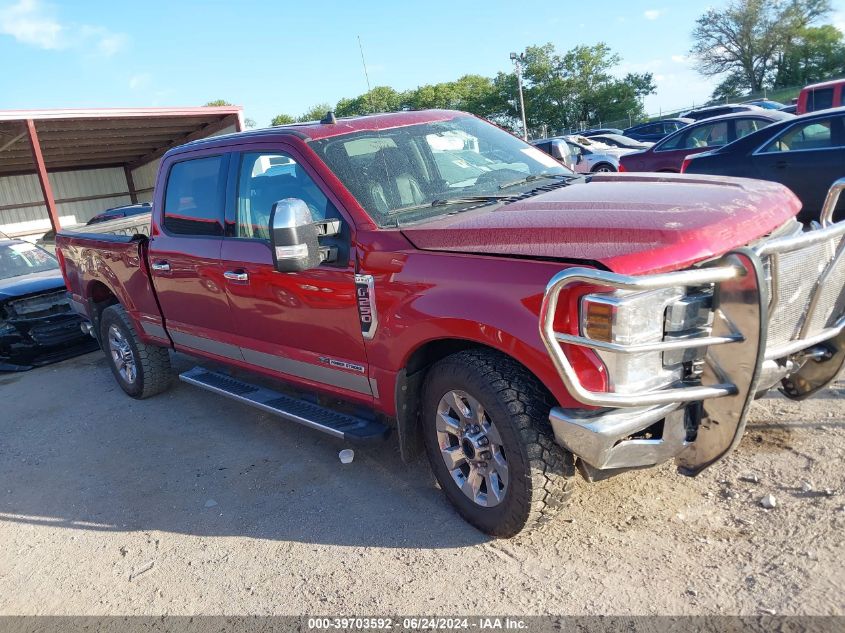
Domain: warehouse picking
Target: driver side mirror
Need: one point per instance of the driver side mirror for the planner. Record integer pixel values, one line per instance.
(293, 236)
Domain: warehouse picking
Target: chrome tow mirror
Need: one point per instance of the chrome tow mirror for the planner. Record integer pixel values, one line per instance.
(293, 236)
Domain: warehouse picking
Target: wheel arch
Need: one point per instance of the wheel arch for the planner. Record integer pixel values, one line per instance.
(409, 382)
(603, 163)
(100, 297)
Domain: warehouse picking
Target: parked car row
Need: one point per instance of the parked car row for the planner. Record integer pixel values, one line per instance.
(805, 153)
(588, 155)
(668, 154)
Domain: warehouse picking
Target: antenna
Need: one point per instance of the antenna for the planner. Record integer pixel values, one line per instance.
(366, 74)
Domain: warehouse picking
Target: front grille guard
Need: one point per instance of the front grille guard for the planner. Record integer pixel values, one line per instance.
(696, 277)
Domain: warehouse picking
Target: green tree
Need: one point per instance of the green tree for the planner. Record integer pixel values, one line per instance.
(282, 119)
(746, 38)
(314, 113)
(731, 88)
(217, 103)
(564, 91)
(379, 99)
(815, 54)
(469, 93)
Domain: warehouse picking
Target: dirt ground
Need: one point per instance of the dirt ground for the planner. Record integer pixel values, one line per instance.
(191, 504)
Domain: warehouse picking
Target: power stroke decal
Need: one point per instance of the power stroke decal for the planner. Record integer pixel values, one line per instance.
(342, 364)
(365, 294)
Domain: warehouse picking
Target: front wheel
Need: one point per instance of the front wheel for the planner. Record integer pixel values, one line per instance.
(487, 436)
(141, 370)
(604, 168)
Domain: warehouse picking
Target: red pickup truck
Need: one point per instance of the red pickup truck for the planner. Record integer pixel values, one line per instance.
(431, 274)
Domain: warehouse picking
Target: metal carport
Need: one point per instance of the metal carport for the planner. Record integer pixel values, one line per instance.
(64, 166)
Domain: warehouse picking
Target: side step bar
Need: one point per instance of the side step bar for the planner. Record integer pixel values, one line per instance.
(340, 425)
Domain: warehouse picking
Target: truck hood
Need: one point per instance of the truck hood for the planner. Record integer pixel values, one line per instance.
(627, 223)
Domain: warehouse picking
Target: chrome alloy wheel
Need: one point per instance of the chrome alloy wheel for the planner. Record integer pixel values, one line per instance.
(121, 354)
(472, 449)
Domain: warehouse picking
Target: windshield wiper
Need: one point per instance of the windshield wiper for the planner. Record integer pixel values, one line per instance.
(533, 177)
(489, 198)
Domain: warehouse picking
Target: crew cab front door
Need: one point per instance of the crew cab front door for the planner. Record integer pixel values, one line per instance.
(303, 326)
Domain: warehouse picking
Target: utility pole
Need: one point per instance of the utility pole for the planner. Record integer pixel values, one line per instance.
(518, 61)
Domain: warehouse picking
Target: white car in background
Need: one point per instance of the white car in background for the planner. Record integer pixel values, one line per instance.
(581, 154)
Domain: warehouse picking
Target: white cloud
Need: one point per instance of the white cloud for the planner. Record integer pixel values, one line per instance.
(29, 23)
(652, 14)
(141, 80)
(34, 23)
(680, 59)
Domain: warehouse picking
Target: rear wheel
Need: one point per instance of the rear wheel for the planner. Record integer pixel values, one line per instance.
(141, 370)
(487, 435)
(604, 168)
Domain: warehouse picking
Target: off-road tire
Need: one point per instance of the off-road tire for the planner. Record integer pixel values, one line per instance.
(541, 472)
(153, 371)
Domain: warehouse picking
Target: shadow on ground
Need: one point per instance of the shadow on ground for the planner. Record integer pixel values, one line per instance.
(76, 452)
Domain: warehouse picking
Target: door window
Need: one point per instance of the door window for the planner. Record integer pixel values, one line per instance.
(713, 135)
(193, 203)
(266, 178)
(810, 135)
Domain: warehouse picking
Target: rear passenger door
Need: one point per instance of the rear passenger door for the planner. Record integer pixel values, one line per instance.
(807, 157)
(184, 254)
(300, 326)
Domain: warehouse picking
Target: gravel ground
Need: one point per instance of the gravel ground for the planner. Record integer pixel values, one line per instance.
(190, 504)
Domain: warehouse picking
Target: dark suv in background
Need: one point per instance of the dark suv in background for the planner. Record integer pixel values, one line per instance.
(655, 130)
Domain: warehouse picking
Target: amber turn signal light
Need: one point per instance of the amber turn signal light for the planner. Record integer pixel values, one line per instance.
(597, 320)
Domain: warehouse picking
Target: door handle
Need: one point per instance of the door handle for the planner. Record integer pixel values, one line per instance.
(163, 267)
(236, 275)
(781, 164)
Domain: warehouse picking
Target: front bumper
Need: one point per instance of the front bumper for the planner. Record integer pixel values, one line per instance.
(771, 304)
(25, 344)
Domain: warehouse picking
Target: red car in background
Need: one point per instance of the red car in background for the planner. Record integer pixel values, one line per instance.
(668, 155)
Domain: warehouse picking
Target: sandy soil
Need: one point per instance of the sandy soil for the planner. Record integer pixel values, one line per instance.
(190, 504)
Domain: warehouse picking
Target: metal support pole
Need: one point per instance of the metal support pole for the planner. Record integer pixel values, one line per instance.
(130, 185)
(43, 180)
(517, 61)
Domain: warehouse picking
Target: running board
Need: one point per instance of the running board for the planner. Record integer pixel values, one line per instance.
(340, 425)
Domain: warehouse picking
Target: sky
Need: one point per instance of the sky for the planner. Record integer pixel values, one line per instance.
(287, 55)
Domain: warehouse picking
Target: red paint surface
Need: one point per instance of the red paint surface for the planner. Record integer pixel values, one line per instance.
(630, 223)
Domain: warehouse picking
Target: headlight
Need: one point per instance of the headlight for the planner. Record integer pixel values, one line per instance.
(627, 318)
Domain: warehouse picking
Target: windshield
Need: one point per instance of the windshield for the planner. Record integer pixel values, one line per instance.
(23, 258)
(421, 171)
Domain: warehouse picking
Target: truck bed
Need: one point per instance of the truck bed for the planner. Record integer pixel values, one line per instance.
(106, 262)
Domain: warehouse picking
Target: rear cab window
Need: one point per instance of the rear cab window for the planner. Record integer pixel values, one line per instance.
(820, 99)
(193, 203)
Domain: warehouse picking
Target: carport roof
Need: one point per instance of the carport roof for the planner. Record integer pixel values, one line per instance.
(87, 138)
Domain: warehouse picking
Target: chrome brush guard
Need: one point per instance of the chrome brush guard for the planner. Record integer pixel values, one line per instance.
(771, 303)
